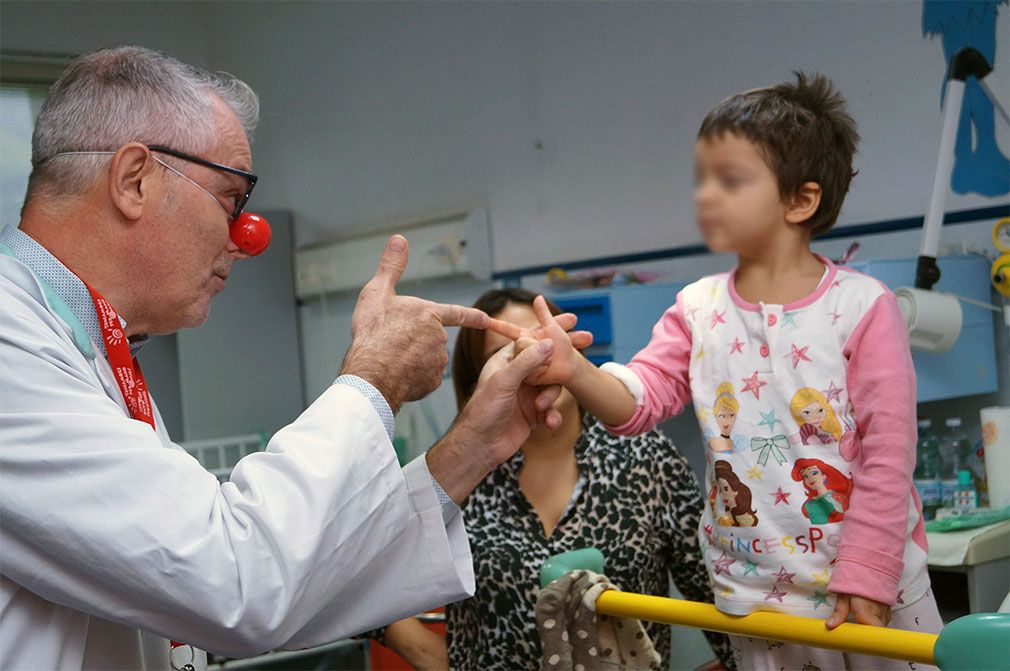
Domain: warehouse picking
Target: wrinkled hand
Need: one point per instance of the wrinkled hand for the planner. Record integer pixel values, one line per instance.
(504, 409)
(399, 342)
(565, 357)
(865, 611)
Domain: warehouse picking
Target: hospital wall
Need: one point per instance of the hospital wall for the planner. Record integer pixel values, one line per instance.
(572, 123)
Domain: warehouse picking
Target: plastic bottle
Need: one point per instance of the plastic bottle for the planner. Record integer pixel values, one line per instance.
(976, 464)
(954, 452)
(965, 496)
(927, 470)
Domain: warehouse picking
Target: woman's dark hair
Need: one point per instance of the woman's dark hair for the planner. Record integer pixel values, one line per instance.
(468, 355)
(724, 470)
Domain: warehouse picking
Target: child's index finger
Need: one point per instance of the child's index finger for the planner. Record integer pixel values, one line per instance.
(543, 312)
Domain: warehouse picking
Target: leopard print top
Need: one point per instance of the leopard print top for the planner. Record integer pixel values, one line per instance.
(639, 503)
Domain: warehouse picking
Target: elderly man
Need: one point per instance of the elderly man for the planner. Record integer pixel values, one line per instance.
(119, 550)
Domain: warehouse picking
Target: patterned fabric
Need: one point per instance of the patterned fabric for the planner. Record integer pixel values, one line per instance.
(640, 506)
(809, 409)
(574, 638)
(758, 654)
(65, 283)
(374, 397)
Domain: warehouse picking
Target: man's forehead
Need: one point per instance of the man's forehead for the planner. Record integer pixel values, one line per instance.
(233, 146)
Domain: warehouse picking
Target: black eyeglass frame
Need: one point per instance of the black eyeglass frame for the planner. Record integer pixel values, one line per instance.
(250, 178)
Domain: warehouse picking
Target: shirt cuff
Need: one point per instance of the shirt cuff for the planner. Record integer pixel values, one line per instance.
(375, 398)
(448, 506)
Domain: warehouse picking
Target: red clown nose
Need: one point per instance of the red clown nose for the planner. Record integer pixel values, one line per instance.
(251, 233)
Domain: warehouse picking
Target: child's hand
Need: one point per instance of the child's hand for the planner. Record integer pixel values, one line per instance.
(565, 356)
(865, 611)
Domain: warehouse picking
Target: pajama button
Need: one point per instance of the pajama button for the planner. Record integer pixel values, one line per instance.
(764, 350)
(772, 319)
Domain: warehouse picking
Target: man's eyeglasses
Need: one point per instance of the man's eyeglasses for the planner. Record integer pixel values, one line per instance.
(239, 204)
(249, 177)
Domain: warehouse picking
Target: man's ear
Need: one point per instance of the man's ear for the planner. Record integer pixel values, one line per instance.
(804, 203)
(131, 179)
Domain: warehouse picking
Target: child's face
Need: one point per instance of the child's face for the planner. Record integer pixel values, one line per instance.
(736, 195)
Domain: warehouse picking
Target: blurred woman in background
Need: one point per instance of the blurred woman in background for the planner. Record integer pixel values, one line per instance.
(636, 499)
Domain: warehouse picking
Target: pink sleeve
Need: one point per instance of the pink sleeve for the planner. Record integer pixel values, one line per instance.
(662, 368)
(881, 384)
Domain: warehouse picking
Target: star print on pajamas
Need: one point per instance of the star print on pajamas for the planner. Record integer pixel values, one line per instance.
(784, 576)
(768, 418)
(821, 578)
(753, 385)
(797, 355)
(722, 564)
(832, 393)
(774, 593)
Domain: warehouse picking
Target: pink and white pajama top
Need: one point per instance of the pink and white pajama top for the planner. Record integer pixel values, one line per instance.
(820, 399)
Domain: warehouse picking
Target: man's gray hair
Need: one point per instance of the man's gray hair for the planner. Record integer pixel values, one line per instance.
(108, 98)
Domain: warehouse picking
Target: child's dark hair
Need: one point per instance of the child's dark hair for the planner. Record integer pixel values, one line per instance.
(805, 134)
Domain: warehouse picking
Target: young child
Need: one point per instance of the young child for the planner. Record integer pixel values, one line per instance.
(803, 348)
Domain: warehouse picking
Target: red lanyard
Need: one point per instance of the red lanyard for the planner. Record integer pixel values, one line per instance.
(130, 379)
(125, 366)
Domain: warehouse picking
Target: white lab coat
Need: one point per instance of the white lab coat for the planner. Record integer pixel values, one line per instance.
(114, 539)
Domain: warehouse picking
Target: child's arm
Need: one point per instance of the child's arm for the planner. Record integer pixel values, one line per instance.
(604, 396)
(632, 399)
(881, 386)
